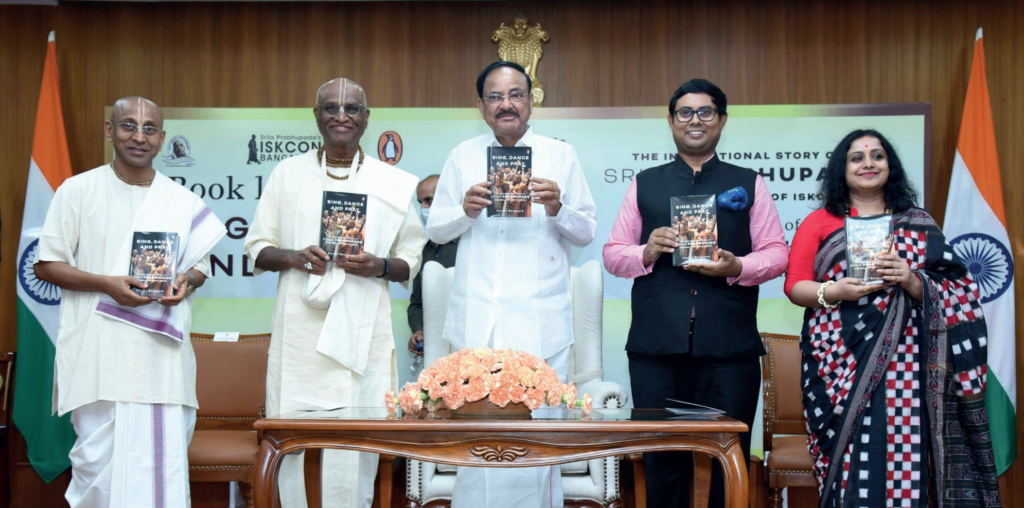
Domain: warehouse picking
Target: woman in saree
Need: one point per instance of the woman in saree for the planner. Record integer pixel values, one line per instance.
(893, 374)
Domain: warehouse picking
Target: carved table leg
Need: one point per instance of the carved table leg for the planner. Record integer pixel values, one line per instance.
(639, 480)
(700, 484)
(735, 469)
(267, 462)
(312, 465)
(385, 472)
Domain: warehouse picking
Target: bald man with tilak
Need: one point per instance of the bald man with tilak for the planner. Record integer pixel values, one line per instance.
(331, 344)
(124, 365)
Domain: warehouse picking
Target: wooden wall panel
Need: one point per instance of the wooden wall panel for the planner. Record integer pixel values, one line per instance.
(427, 54)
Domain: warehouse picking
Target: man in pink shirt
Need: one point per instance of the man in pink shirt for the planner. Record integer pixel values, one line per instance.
(694, 333)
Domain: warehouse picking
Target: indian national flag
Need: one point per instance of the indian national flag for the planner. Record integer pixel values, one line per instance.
(49, 438)
(976, 227)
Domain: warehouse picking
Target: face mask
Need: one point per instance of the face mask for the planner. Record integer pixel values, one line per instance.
(424, 215)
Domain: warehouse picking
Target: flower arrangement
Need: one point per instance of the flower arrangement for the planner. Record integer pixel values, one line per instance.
(503, 376)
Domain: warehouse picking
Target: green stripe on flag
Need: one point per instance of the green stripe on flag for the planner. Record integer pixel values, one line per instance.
(49, 438)
(1002, 423)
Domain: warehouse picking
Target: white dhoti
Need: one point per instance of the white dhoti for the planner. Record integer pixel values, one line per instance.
(513, 487)
(130, 455)
(346, 477)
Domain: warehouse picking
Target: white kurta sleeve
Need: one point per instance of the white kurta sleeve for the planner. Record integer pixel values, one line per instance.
(409, 243)
(203, 266)
(265, 230)
(577, 219)
(447, 218)
(58, 240)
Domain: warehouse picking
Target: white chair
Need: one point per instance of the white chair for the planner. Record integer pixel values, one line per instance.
(587, 483)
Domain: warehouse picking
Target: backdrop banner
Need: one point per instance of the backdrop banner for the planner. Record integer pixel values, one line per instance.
(226, 155)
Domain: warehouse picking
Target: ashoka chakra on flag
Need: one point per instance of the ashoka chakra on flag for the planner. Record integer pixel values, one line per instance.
(38, 289)
(989, 262)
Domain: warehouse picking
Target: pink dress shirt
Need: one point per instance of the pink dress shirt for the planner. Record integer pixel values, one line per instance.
(624, 254)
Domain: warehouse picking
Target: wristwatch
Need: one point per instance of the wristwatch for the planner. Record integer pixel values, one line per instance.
(387, 268)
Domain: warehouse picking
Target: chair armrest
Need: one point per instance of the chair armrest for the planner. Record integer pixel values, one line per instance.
(606, 394)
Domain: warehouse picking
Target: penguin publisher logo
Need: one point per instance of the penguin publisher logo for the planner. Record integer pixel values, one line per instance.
(389, 147)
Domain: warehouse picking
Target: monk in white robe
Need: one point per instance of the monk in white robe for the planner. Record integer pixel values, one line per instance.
(332, 343)
(124, 363)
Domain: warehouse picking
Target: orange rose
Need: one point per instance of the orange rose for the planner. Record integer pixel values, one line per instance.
(389, 401)
(510, 363)
(490, 381)
(527, 377)
(507, 379)
(405, 400)
(530, 361)
(517, 394)
(490, 361)
(554, 393)
(474, 371)
(534, 398)
(454, 396)
(434, 390)
(475, 390)
(570, 392)
(499, 396)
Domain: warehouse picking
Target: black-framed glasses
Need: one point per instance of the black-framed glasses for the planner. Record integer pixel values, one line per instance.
(703, 114)
(497, 98)
(148, 130)
(352, 109)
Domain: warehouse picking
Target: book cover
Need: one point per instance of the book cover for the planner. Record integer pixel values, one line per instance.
(695, 221)
(509, 170)
(692, 408)
(866, 238)
(341, 224)
(154, 262)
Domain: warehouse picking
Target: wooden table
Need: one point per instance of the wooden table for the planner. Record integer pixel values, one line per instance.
(554, 437)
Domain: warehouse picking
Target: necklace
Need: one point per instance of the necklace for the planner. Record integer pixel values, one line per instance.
(131, 181)
(340, 163)
(334, 162)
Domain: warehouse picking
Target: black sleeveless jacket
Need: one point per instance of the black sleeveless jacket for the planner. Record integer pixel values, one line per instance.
(662, 301)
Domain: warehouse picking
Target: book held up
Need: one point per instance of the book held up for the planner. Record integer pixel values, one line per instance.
(154, 262)
(867, 238)
(341, 224)
(695, 221)
(509, 170)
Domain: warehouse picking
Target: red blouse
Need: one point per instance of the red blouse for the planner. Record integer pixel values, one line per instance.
(813, 229)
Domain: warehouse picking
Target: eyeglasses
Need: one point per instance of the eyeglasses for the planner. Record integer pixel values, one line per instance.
(497, 98)
(332, 110)
(703, 114)
(130, 128)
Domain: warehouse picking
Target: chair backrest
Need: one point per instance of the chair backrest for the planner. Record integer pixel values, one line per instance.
(231, 381)
(437, 290)
(587, 290)
(587, 293)
(780, 373)
(6, 387)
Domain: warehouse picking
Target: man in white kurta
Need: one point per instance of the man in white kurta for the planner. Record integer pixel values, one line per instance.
(332, 343)
(129, 384)
(511, 286)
